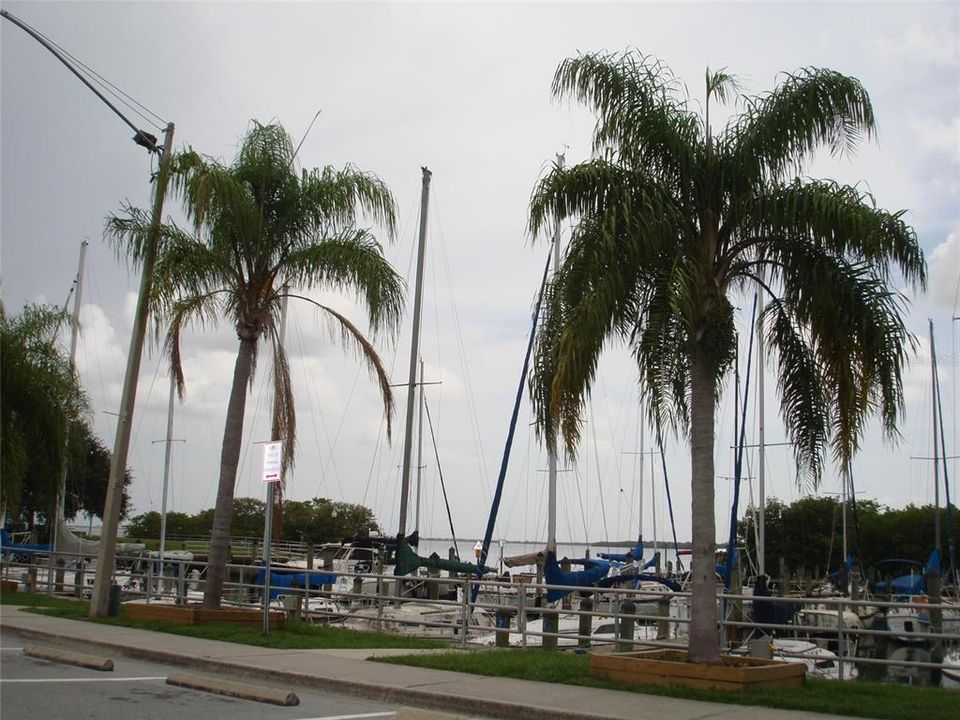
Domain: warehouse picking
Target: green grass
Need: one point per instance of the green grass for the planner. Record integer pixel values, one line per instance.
(293, 636)
(855, 699)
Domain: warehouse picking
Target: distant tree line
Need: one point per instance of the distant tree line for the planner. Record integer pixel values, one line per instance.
(808, 533)
(312, 521)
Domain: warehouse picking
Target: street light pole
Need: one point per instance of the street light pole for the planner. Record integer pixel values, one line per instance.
(111, 512)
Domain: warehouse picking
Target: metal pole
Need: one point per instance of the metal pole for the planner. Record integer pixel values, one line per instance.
(844, 500)
(267, 532)
(551, 447)
(118, 463)
(271, 493)
(419, 450)
(761, 451)
(936, 448)
(61, 513)
(414, 352)
(166, 475)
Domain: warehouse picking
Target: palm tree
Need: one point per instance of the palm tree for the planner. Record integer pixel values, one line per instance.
(672, 219)
(262, 231)
(41, 404)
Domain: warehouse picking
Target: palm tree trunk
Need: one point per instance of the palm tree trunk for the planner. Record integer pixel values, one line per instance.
(229, 458)
(704, 646)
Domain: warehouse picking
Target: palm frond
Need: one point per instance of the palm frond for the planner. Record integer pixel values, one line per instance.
(284, 414)
(596, 186)
(722, 85)
(840, 219)
(351, 261)
(642, 117)
(803, 403)
(778, 132)
(351, 336)
(332, 198)
(856, 331)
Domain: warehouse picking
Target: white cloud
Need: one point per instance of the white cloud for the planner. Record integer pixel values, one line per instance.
(938, 136)
(944, 266)
(920, 43)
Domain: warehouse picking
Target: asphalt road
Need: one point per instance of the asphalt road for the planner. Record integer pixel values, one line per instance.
(32, 688)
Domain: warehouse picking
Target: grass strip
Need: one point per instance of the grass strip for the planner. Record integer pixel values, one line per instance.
(854, 699)
(293, 636)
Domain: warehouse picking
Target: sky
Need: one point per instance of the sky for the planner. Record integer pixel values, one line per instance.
(463, 89)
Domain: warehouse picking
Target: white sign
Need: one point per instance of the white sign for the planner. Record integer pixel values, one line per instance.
(271, 462)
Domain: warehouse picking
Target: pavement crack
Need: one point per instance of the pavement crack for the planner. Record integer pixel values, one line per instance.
(427, 685)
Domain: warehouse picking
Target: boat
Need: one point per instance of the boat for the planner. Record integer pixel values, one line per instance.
(412, 617)
(819, 662)
(950, 670)
(568, 633)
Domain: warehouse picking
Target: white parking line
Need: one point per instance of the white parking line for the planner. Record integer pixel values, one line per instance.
(80, 680)
(11, 649)
(353, 717)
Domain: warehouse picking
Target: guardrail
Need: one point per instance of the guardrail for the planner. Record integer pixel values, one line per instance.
(442, 606)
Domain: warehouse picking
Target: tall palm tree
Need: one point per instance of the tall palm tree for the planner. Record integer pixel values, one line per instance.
(262, 231)
(671, 219)
(41, 403)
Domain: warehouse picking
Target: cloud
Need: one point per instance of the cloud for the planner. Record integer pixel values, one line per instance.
(921, 43)
(944, 266)
(940, 137)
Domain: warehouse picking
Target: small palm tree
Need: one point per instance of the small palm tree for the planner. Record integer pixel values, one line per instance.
(671, 219)
(261, 232)
(41, 404)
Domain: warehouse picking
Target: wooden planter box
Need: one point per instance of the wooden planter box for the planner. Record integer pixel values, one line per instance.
(196, 615)
(670, 668)
(8, 586)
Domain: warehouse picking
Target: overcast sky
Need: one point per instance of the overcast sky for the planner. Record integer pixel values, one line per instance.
(464, 90)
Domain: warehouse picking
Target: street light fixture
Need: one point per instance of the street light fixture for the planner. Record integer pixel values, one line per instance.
(106, 552)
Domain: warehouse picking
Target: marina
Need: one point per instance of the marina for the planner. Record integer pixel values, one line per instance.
(823, 633)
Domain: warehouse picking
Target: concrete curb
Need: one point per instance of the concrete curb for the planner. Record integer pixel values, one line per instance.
(430, 700)
(234, 689)
(70, 658)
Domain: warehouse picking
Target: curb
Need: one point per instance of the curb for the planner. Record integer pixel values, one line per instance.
(429, 700)
(70, 658)
(220, 686)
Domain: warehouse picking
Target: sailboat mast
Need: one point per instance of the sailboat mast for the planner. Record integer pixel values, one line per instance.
(640, 420)
(61, 508)
(551, 447)
(166, 472)
(414, 353)
(936, 449)
(761, 451)
(419, 451)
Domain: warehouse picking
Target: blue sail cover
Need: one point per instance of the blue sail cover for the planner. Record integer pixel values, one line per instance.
(11, 547)
(637, 578)
(280, 581)
(635, 554)
(593, 572)
(913, 584)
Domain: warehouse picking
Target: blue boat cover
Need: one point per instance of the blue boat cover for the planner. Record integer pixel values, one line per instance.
(592, 573)
(635, 554)
(612, 580)
(280, 581)
(11, 547)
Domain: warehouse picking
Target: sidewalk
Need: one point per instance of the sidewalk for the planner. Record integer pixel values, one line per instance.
(346, 671)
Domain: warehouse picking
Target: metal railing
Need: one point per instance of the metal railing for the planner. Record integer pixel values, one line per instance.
(442, 607)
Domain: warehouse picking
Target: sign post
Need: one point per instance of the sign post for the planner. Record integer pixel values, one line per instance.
(272, 462)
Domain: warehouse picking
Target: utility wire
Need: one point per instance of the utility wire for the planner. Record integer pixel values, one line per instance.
(112, 89)
(140, 137)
